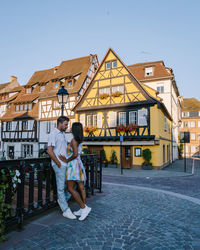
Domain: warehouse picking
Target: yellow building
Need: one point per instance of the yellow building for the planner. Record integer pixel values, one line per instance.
(115, 104)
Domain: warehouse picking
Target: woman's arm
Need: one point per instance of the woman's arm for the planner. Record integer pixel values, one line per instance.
(74, 145)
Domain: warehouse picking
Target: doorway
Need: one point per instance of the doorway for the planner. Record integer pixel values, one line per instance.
(126, 157)
(11, 152)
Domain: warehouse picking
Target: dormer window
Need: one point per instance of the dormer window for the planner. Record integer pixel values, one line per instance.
(25, 107)
(56, 85)
(108, 65)
(42, 88)
(28, 91)
(70, 84)
(17, 107)
(21, 107)
(149, 71)
(30, 106)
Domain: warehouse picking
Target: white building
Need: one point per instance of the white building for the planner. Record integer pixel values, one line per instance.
(161, 78)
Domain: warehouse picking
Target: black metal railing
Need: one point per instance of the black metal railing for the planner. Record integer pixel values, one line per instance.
(37, 191)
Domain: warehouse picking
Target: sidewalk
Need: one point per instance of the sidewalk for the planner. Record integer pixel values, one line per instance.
(175, 169)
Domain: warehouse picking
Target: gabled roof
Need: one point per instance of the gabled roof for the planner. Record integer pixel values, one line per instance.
(41, 76)
(4, 85)
(139, 85)
(138, 70)
(190, 104)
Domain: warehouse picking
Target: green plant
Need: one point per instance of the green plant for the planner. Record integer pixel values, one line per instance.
(104, 96)
(7, 176)
(180, 150)
(85, 151)
(113, 158)
(117, 94)
(146, 154)
(104, 160)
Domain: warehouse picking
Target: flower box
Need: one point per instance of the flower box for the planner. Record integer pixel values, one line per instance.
(129, 128)
(104, 96)
(88, 129)
(117, 94)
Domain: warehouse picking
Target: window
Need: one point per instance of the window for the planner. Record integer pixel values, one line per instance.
(21, 107)
(56, 105)
(104, 91)
(169, 128)
(185, 124)
(185, 114)
(17, 107)
(27, 150)
(95, 120)
(25, 107)
(48, 128)
(24, 125)
(108, 65)
(28, 91)
(114, 64)
(30, 106)
(192, 124)
(199, 124)
(149, 71)
(165, 123)
(42, 88)
(9, 126)
(56, 85)
(118, 88)
(70, 83)
(160, 89)
(89, 120)
(199, 136)
(193, 149)
(192, 135)
(122, 118)
(127, 152)
(133, 117)
(137, 152)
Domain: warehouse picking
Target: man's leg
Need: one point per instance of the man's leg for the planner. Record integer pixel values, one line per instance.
(60, 181)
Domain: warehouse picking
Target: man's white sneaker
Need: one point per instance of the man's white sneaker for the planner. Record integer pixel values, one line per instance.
(68, 214)
(84, 212)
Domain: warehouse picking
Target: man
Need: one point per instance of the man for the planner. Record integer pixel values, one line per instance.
(57, 144)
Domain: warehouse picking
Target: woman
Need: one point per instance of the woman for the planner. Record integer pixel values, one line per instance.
(75, 172)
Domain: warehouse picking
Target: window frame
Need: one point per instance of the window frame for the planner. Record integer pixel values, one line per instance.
(136, 116)
(119, 114)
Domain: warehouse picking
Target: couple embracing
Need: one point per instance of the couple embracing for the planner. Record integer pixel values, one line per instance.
(66, 161)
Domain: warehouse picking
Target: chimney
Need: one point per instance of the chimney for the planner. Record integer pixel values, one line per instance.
(91, 57)
(13, 78)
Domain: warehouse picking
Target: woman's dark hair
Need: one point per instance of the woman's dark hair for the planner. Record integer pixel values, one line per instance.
(77, 131)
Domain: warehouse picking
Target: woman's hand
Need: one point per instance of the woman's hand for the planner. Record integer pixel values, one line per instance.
(62, 158)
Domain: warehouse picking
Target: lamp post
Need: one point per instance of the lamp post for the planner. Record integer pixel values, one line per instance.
(62, 98)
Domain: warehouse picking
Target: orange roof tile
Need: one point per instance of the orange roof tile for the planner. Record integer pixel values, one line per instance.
(190, 104)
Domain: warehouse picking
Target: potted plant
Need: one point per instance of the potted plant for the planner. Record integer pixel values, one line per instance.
(104, 160)
(90, 129)
(146, 154)
(85, 151)
(113, 160)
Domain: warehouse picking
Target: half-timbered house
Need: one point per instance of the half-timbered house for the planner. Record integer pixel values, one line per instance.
(117, 106)
(33, 113)
(8, 92)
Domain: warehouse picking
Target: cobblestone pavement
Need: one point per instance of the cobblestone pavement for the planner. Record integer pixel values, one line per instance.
(131, 213)
(124, 218)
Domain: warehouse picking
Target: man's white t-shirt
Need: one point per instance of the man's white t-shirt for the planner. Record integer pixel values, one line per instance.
(59, 141)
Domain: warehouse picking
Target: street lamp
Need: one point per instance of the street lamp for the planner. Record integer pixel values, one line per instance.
(62, 98)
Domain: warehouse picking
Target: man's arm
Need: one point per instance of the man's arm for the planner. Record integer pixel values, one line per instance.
(53, 156)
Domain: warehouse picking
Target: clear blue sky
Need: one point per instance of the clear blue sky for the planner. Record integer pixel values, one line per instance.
(36, 35)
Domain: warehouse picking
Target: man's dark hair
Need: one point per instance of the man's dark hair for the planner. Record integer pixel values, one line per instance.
(61, 119)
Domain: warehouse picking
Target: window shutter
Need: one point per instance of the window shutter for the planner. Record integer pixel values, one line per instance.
(112, 119)
(82, 119)
(99, 120)
(142, 117)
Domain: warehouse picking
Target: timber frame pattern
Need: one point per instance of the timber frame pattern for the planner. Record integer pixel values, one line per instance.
(133, 98)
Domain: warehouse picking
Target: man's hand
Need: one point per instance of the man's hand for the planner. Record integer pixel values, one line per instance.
(62, 158)
(53, 156)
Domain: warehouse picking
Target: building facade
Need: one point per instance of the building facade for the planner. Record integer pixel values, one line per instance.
(8, 92)
(33, 113)
(191, 123)
(161, 78)
(116, 104)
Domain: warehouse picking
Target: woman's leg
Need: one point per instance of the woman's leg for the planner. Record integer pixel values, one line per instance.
(74, 193)
(82, 190)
